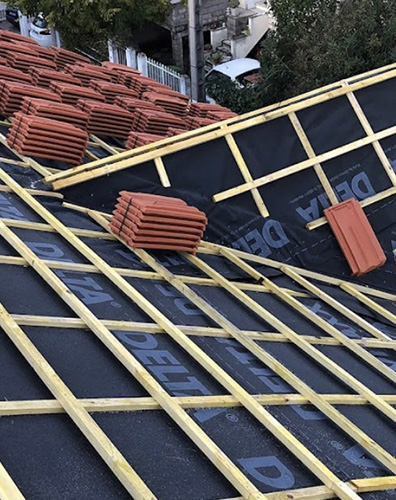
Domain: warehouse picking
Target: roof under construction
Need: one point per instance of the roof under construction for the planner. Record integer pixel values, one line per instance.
(257, 368)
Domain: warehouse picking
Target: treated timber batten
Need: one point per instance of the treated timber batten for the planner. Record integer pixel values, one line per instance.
(351, 489)
(145, 153)
(228, 469)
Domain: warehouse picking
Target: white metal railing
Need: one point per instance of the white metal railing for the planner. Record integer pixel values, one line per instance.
(3, 7)
(148, 67)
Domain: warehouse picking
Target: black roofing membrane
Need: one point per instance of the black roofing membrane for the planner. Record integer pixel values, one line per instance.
(199, 172)
(50, 459)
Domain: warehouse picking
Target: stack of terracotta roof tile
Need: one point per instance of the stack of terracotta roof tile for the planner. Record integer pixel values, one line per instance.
(10, 36)
(137, 139)
(3, 61)
(165, 90)
(193, 122)
(201, 109)
(220, 115)
(48, 139)
(155, 122)
(86, 73)
(21, 48)
(171, 104)
(14, 75)
(138, 83)
(111, 90)
(151, 221)
(55, 111)
(13, 93)
(43, 77)
(101, 69)
(119, 68)
(133, 104)
(107, 119)
(70, 94)
(63, 57)
(45, 53)
(23, 62)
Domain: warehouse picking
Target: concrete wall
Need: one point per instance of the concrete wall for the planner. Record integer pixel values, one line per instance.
(213, 11)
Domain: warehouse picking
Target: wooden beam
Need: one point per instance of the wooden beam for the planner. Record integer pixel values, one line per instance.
(369, 131)
(336, 305)
(247, 176)
(141, 155)
(8, 489)
(311, 154)
(332, 413)
(179, 416)
(162, 174)
(300, 166)
(214, 249)
(76, 411)
(221, 461)
(136, 326)
(321, 221)
(102, 405)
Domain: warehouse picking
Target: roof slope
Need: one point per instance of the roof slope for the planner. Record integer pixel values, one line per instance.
(224, 375)
(265, 178)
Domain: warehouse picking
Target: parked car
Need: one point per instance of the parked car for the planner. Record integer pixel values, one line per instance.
(40, 31)
(243, 71)
(12, 16)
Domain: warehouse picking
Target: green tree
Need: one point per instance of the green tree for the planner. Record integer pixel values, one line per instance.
(89, 23)
(317, 42)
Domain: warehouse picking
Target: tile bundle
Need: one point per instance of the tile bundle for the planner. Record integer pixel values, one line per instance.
(177, 107)
(111, 90)
(10, 36)
(70, 94)
(119, 68)
(48, 139)
(157, 222)
(106, 119)
(134, 103)
(137, 139)
(14, 75)
(155, 122)
(23, 62)
(13, 93)
(86, 73)
(63, 57)
(165, 90)
(43, 77)
(55, 111)
(201, 109)
(20, 48)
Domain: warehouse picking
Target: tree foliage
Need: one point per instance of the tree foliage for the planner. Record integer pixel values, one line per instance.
(317, 42)
(85, 23)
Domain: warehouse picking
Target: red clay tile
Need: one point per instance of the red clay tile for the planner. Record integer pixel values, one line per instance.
(43, 77)
(13, 93)
(70, 94)
(10, 36)
(49, 139)
(24, 62)
(55, 111)
(355, 236)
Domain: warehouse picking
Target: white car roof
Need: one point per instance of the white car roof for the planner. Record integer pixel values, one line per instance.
(237, 67)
